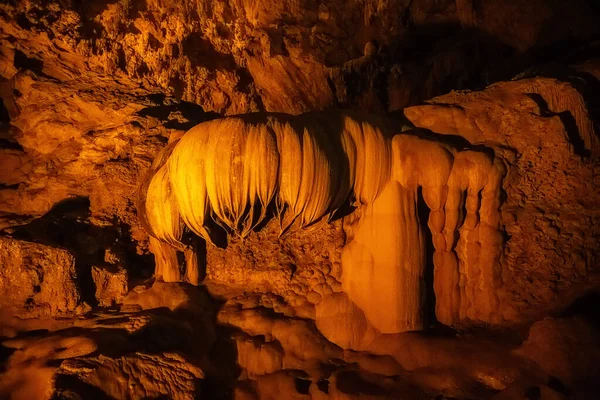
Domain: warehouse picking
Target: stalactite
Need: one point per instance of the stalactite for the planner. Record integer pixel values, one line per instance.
(192, 268)
(231, 169)
(165, 256)
(491, 240)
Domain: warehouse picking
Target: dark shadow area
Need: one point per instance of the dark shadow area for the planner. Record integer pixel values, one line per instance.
(223, 355)
(533, 393)
(558, 386)
(323, 385)
(4, 115)
(69, 387)
(430, 59)
(302, 385)
(5, 353)
(66, 226)
(351, 382)
(425, 61)
(568, 121)
(457, 142)
(269, 215)
(219, 234)
(587, 306)
(10, 145)
(573, 132)
(193, 113)
(21, 61)
(246, 85)
(201, 52)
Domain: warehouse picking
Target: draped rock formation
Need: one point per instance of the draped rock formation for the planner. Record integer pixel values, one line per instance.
(230, 171)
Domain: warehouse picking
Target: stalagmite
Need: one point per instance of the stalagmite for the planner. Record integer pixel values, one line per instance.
(160, 216)
(192, 269)
(460, 272)
(475, 171)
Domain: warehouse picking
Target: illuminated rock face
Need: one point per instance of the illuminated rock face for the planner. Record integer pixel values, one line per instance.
(37, 276)
(230, 170)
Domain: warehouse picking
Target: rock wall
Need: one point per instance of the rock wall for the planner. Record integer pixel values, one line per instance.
(36, 277)
(92, 91)
(551, 191)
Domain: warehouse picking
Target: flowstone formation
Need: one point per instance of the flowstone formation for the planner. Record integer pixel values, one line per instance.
(231, 171)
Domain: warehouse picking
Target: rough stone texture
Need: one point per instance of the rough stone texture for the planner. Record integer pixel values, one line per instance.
(121, 354)
(551, 214)
(37, 277)
(299, 268)
(567, 349)
(111, 285)
(137, 376)
(90, 92)
(547, 206)
(236, 57)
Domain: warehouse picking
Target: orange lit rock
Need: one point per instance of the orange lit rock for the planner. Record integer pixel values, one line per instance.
(342, 322)
(111, 285)
(383, 264)
(489, 207)
(137, 375)
(543, 257)
(37, 277)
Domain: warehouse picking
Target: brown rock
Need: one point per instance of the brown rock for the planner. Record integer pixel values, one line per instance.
(111, 285)
(37, 277)
(567, 349)
(258, 358)
(551, 212)
(171, 295)
(138, 375)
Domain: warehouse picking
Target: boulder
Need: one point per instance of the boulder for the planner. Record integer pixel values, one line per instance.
(37, 277)
(111, 284)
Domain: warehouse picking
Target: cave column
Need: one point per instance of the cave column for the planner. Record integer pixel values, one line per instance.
(383, 266)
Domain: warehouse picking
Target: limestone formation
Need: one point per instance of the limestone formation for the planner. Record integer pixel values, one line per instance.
(309, 166)
(192, 206)
(37, 277)
(111, 285)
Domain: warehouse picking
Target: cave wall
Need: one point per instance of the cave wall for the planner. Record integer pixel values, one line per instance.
(91, 92)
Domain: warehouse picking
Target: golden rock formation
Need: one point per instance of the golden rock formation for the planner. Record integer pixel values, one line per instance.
(446, 248)
(230, 170)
